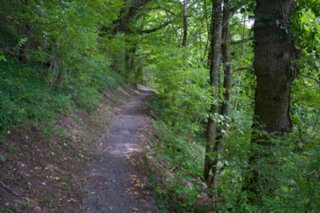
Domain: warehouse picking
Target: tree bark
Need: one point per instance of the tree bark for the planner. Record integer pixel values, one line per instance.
(227, 80)
(274, 56)
(273, 64)
(227, 83)
(215, 63)
(127, 14)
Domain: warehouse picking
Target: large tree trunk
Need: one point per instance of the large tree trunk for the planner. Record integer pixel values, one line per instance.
(215, 62)
(274, 56)
(273, 64)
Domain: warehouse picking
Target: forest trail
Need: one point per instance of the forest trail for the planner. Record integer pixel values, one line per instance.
(116, 180)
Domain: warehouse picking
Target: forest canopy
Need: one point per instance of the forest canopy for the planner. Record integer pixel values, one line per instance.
(237, 89)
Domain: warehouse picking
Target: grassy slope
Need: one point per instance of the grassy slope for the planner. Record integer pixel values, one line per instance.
(46, 134)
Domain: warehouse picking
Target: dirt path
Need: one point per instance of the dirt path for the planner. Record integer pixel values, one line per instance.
(117, 176)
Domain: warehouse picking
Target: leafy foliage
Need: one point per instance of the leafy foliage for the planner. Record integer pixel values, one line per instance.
(57, 55)
(183, 99)
(182, 90)
(173, 153)
(52, 59)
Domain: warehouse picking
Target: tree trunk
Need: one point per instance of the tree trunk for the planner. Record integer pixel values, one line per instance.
(215, 62)
(274, 56)
(129, 61)
(127, 14)
(58, 80)
(273, 65)
(227, 80)
(185, 23)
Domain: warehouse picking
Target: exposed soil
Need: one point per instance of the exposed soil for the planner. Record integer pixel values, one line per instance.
(79, 164)
(116, 179)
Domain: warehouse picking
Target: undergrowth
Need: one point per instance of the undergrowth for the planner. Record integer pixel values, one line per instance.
(289, 168)
(175, 179)
(27, 95)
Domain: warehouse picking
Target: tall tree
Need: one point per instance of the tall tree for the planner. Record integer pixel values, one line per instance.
(215, 64)
(227, 79)
(274, 58)
(227, 84)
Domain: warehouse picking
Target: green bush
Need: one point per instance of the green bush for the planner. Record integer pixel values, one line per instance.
(181, 158)
(27, 95)
(47, 66)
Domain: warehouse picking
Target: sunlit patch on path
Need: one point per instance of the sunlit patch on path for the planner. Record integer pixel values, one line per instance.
(116, 179)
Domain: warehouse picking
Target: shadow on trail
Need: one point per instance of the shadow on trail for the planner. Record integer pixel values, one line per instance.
(117, 176)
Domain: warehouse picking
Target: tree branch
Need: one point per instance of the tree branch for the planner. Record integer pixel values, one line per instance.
(8, 189)
(160, 8)
(147, 31)
(309, 77)
(249, 68)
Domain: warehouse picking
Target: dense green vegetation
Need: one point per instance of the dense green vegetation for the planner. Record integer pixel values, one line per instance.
(57, 55)
(52, 60)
